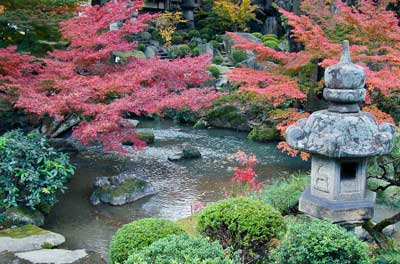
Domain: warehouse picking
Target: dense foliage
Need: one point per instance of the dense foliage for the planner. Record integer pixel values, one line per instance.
(243, 224)
(373, 32)
(86, 79)
(140, 234)
(317, 242)
(31, 172)
(33, 25)
(183, 249)
(284, 195)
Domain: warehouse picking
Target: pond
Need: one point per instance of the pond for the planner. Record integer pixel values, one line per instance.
(179, 184)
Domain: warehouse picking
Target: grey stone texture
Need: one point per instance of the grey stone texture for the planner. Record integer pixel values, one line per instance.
(120, 189)
(61, 256)
(20, 216)
(187, 153)
(30, 242)
(341, 138)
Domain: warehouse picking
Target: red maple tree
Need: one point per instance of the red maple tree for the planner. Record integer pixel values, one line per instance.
(371, 28)
(85, 80)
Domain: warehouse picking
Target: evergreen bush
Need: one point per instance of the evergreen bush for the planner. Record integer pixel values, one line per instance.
(31, 172)
(242, 223)
(140, 234)
(213, 69)
(182, 249)
(318, 242)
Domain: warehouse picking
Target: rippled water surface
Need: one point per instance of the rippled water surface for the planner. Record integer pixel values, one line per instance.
(179, 185)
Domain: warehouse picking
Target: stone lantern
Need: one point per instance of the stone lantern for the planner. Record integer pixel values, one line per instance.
(340, 139)
(188, 7)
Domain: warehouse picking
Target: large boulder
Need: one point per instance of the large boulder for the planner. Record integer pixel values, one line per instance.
(151, 51)
(20, 216)
(205, 48)
(28, 238)
(228, 116)
(120, 189)
(69, 144)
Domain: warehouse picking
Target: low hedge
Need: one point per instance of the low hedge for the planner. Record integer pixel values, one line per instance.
(242, 223)
(183, 249)
(318, 242)
(140, 234)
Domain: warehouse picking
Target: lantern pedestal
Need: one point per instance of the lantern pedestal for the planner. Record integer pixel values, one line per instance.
(352, 212)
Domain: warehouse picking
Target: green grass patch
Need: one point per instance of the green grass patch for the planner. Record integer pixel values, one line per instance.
(284, 195)
(189, 224)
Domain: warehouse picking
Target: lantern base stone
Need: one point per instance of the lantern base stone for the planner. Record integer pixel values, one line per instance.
(352, 211)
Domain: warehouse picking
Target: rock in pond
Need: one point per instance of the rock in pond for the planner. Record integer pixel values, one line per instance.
(28, 238)
(187, 153)
(60, 256)
(120, 189)
(20, 216)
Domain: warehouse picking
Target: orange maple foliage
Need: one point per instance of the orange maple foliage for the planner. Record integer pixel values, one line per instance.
(374, 35)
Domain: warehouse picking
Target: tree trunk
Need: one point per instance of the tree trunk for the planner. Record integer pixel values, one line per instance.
(376, 231)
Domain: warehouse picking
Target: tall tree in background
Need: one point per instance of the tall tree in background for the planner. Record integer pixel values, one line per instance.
(373, 31)
(237, 12)
(33, 25)
(84, 79)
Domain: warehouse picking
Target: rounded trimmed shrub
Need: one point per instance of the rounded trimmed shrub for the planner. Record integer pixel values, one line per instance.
(316, 242)
(140, 234)
(31, 171)
(183, 249)
(242, 223)
(214, 70)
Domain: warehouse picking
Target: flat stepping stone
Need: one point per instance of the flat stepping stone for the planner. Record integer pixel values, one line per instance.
(60, 256)
(28, 238)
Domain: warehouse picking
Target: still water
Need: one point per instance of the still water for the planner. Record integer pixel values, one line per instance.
(179, 185)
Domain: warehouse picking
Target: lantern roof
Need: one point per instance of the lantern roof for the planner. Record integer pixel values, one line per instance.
(342, 130)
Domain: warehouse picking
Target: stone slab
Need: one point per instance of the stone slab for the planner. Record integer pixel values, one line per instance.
(54, 256)
(30, 242)
(356, 211)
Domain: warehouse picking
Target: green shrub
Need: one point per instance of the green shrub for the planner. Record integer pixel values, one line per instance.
(207, 33)
(271, 44)
(214, 70)
(284, 195)
(196, 51)
(215, 44)
(258, 35)
(386, 257)
(141, 47)
(238, 56)
(31, 172)
(182, 249)
(177, 39)
(269, 40)
(218, 60)
(263, 134)
(317, 242)
(179, 51)
(244, 224)
(147, 137)
(194, 34)
(139, 234)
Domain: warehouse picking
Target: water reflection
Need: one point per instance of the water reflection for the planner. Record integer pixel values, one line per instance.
(178, 184)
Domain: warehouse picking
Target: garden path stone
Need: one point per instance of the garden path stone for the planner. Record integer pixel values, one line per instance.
(54, 256)
(28, 238)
